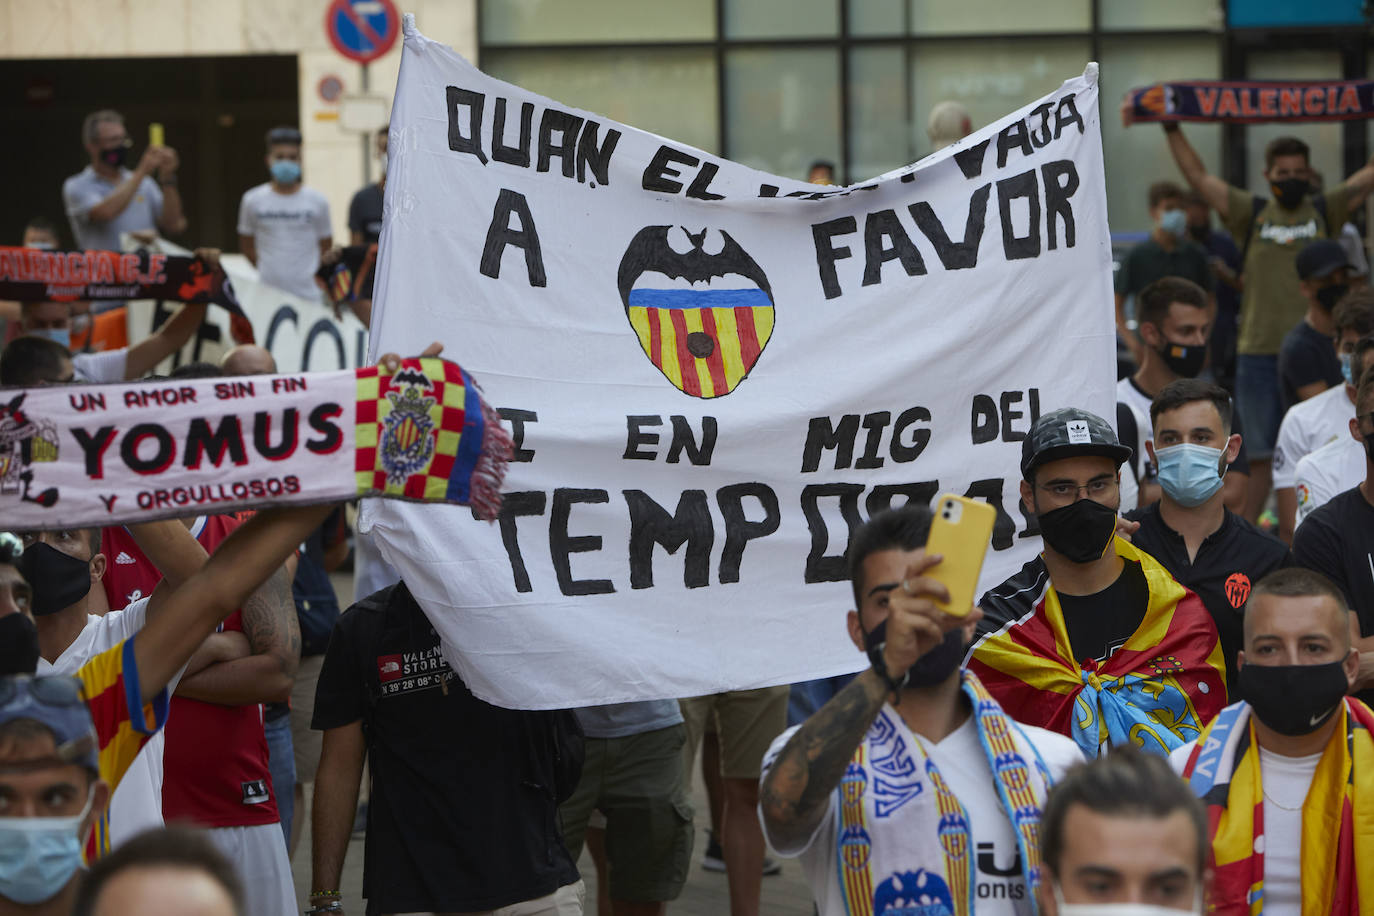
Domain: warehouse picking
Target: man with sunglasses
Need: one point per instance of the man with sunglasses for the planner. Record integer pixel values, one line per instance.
(106, 198)
(55, 775)
(1094, 638)
(1337, 540)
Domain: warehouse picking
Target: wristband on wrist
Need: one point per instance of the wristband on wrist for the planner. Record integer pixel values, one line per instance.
(334, 907)
(314, 894)
(1170, 127)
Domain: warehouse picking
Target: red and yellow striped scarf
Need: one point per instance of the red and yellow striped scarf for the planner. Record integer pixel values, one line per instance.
(1337, 817)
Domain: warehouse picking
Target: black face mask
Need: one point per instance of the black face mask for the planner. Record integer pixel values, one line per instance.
(57, 580)
(1293, 699)
(930, 669)
(1185, 362)
(115, 157)
(18, 645)
(1290, 192)
(1328, 296)
(1081, 531)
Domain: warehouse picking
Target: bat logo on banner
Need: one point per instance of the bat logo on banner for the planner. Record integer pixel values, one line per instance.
(22, 442)
(700, 305)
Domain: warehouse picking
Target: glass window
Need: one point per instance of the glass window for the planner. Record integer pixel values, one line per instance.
(870, 18)
(946, 17)
(672, 93)
(991, 78)
(1325, 139)
(1138, 156)
(561, 21)
(1162, 14)
(879, 119)
(781, 18)
(782, 108)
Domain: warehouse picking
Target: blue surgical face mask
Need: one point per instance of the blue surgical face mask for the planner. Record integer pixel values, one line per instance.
(1189, 474)
(56, 335)
(1348, 367)
(39, 855)
(285, 171)
(1174, 222)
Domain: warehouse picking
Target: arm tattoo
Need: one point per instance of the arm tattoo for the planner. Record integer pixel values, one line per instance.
(269, 622)
(796, 792)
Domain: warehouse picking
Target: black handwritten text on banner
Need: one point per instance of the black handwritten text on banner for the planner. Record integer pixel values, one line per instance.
(713, 374)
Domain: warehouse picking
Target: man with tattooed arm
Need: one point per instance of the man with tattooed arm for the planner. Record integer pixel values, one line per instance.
(911, 787)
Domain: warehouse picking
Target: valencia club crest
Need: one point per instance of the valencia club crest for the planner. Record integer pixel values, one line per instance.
(700, 305)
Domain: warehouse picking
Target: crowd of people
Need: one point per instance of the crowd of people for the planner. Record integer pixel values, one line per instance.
(1163, 711)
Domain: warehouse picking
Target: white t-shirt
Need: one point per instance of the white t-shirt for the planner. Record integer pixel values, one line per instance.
(1330, 470)
(1001, 891)
(101, 368)
(1139, 402)
(137, 802)
(1286, 781)
(286, 230)
(1308, 426)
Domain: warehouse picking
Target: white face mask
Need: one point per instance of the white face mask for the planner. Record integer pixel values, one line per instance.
(1120, 909)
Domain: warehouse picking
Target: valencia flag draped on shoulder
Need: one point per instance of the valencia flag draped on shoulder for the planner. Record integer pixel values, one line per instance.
(1157, 691)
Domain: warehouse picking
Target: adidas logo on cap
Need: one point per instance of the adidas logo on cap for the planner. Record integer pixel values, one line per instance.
(124, 559)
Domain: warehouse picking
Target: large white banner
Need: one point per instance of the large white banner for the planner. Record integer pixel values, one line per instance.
(714, 374)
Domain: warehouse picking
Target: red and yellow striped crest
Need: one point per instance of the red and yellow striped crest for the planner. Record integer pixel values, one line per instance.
(731, 340)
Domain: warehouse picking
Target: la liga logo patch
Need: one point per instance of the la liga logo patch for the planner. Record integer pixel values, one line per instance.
(700, 305)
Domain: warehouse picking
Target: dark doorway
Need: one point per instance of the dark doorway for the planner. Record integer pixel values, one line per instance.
(215, 110)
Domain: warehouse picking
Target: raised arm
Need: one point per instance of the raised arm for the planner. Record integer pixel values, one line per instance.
(165, 341)
(795, 794)
(1212, 188)
(1359, 184)
(243, 562)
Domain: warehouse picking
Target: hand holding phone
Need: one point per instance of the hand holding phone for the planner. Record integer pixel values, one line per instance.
(960, 533)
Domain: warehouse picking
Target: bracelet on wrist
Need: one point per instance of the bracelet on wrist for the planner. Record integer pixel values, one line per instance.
(1170, 127)
(335, 907)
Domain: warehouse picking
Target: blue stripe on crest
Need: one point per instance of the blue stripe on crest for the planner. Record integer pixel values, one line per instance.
(699, 298)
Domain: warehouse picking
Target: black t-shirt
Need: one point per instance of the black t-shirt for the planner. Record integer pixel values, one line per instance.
(462, 814)
(1100, 624)
(1337, 540)
(1307, 356)
(365, 213)
(1229, 561)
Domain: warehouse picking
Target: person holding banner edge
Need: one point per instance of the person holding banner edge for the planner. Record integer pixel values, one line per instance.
(868, 789)
(1270, 232)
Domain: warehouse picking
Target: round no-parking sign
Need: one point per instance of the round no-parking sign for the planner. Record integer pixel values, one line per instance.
(362, 30)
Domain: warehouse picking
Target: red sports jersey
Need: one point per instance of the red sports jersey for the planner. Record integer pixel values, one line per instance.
(215, 759)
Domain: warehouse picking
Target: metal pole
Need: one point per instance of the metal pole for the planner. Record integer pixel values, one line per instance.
(367, 136)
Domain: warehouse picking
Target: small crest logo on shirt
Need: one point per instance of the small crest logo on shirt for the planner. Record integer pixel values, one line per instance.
(1078, 432)
(388, 667)
(1304, 494)
(1237, 589)
(407, 442)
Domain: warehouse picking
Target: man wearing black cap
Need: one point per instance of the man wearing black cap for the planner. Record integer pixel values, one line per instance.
(1307, 359)
(1094, 638)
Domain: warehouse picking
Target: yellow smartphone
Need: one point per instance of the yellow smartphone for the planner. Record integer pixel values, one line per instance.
(961, 533)
(155, 136)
